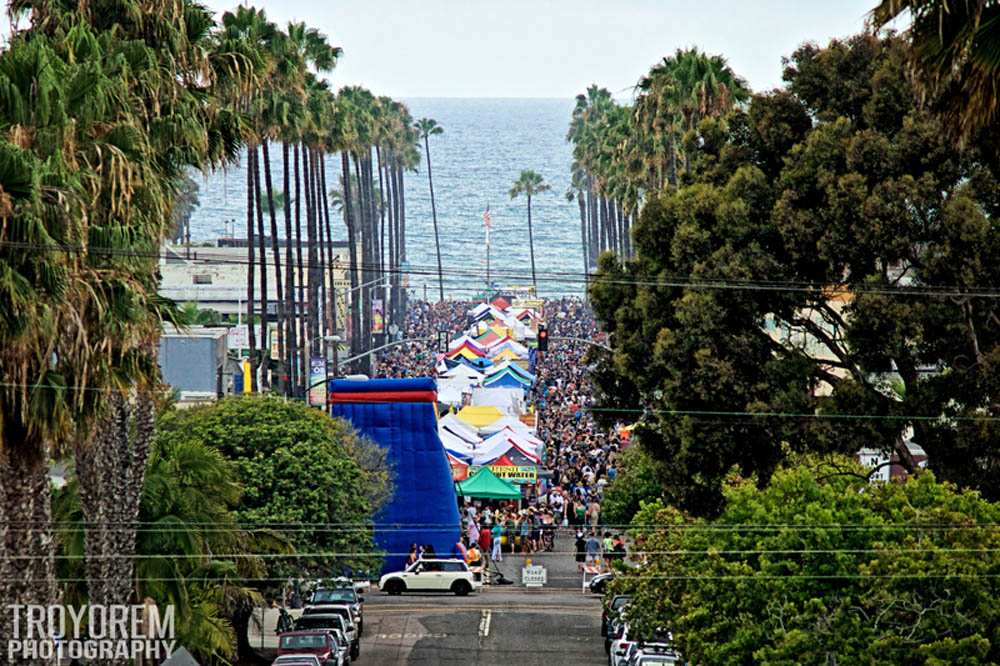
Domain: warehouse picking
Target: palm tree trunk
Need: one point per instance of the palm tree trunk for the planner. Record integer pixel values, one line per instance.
(437, 239)
(390, 205)
(367, 254)
(278, 291)
(531, 246)
(291, 358)
(303, 340)
(27, 552)
(583, 232)
(111, 470)
(309, 169)
(330, 254)
(403, 296)
(265, 346)
(351, 220)
(381, 219)
(251, 267)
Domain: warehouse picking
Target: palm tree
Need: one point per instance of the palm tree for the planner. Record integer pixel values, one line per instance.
(955, 48)
(530, 184)
(427, 127)
(78, 330)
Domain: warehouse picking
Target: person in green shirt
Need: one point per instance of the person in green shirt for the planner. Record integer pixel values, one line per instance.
(496, 532)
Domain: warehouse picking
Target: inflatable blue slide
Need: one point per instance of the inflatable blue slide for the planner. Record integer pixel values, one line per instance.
(400, 415)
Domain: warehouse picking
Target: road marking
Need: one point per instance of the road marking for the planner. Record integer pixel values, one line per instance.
(484, 624)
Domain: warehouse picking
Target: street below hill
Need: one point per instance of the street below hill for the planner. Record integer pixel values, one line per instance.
(499, 626)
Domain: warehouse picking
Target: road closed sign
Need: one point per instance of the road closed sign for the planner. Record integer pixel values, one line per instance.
(533, 576)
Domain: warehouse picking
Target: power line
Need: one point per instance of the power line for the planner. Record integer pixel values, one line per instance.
(686, 282)
(708, 552)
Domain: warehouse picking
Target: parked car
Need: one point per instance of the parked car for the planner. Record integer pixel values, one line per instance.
(346, 595)
(437, 575)
(329, 645)
(335, 617)
(297, 660)
(599, 583)
(658, 653)
(611, 610)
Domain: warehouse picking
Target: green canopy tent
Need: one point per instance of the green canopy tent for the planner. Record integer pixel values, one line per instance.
(484, 484)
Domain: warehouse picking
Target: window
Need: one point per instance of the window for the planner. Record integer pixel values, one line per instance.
(432, 567)
(454, 567)
(202, 278)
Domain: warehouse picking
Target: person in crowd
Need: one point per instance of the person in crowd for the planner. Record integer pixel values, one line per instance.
(581, 550)
(496, 534)
(485, 544)
(593, 548)
(473, 557)
(459, 551)
(472, 531)
(413, 556)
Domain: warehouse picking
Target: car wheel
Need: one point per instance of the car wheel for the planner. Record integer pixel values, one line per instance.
(461, 588)
(355, 651)
(394, 586)
(361, 627)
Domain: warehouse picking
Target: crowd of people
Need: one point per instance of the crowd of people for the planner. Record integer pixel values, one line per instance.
(579, 452)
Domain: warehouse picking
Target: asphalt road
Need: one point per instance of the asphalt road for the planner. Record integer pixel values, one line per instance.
(496, 627)
(558, 624)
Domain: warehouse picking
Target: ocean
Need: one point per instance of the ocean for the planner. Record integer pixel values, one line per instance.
(485, 145)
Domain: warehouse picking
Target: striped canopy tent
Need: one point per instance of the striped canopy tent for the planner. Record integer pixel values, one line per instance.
(498, 342)
(506, 354)
(455, 446)
(526, 316)
(513, 424)
(508, 350)
(463, 372)
(465, 351)
(480, 364)
(513, 443)
(490, 336)
(460, 429)
(500, 445)
(480, 416)
(487, 313)
(465, 340)
(506, 379)
(507, 366)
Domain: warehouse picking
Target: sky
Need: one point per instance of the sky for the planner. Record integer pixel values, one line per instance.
(553, 48)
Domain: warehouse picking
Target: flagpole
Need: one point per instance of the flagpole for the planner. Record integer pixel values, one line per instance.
(487, 226)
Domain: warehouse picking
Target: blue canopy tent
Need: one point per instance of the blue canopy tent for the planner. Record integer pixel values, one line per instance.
(399, 415)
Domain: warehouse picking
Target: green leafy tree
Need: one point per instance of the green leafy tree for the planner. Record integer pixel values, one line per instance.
(636, 482)
(813, 285)
(192, 552)
(304, 473)
(822, 567)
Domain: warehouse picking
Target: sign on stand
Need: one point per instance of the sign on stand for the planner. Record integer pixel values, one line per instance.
(533, 576)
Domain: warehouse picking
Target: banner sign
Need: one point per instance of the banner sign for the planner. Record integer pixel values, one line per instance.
(516, 473)
(378, 316)
(317, 380)
(533, 576)
(459, 472)
(238, 337)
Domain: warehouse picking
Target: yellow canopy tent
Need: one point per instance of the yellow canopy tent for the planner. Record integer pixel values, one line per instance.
(479, 416)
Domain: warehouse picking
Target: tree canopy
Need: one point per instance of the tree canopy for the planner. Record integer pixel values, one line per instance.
(820, 281)
(821, 568)
(303, 473)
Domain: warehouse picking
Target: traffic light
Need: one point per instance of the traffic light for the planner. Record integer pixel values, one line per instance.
(543, 338)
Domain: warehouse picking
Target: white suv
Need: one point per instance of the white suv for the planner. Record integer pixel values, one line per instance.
(431, 575)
